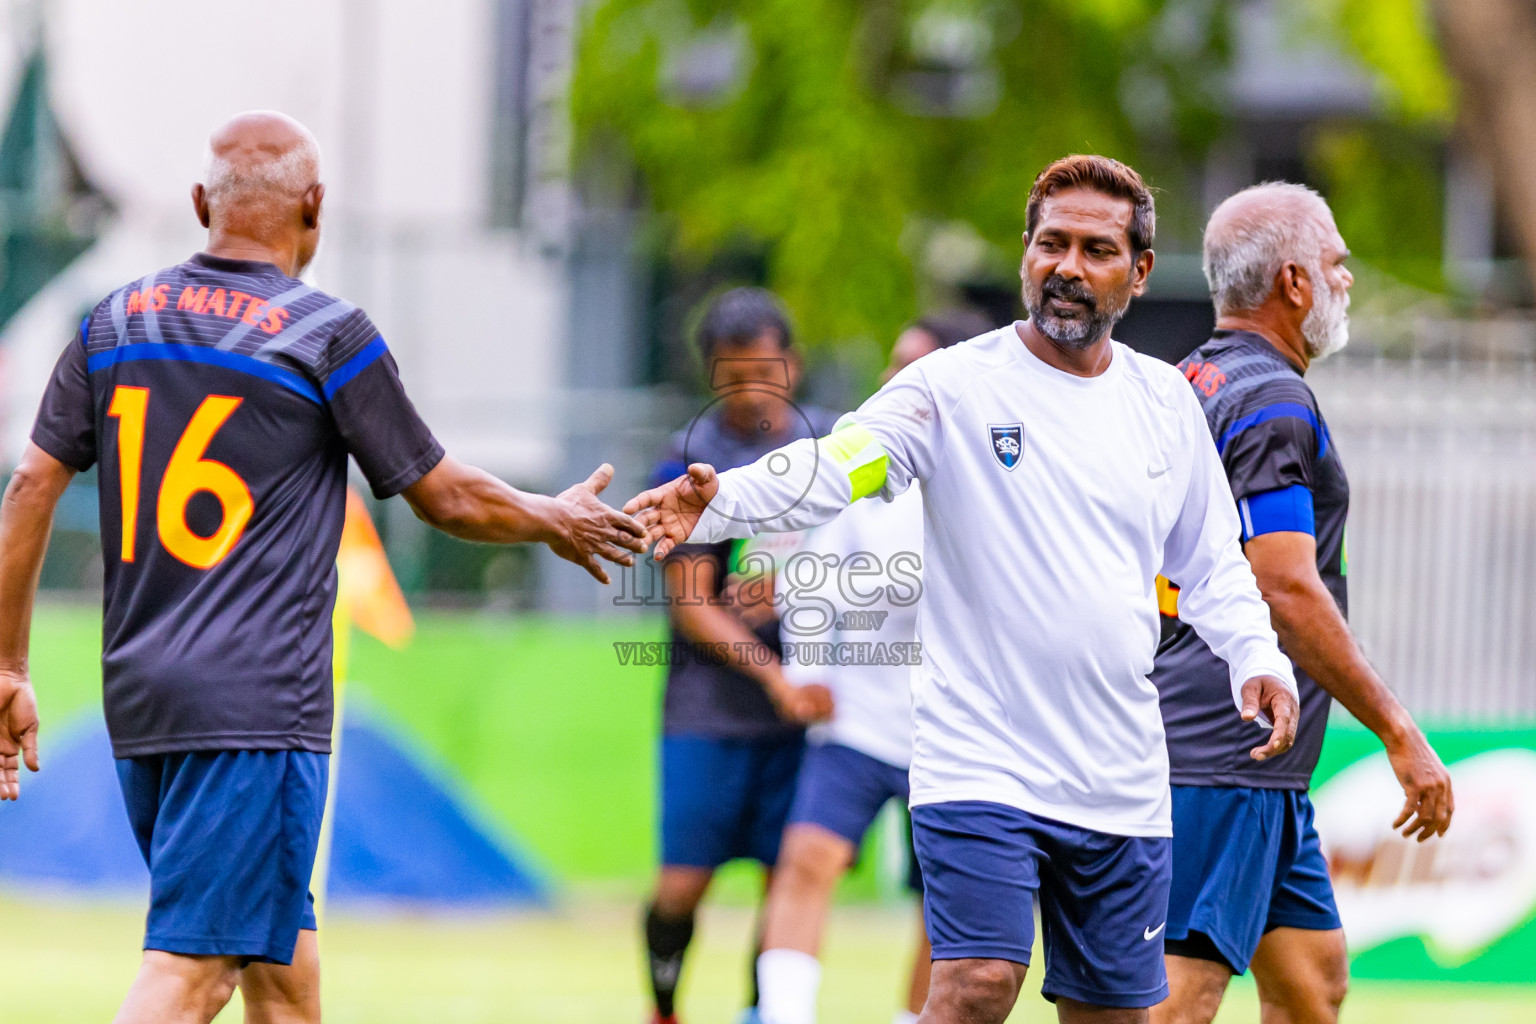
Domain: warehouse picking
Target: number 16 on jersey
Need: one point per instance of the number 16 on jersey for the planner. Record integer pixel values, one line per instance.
(186, 474)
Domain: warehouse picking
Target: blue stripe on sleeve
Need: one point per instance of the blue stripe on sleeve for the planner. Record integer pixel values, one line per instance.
(1275, 412)
(1287, 510)
(85, 329)
(354, 366)
(167, 352)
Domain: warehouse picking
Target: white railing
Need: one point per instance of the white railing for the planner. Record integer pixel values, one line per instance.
(1441, 457)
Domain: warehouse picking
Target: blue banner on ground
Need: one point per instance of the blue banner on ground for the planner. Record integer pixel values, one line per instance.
(404, 832)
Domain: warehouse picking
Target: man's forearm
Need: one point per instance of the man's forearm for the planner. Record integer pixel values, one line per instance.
(801, 485)
(1316, 636)
(743, 650)
(26, 519)
(471, 504)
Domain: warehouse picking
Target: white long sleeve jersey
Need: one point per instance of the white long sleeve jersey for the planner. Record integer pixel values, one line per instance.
(1051, 502)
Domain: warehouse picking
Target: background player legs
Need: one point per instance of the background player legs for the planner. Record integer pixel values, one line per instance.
(811, 861)
(175, 989)
(1195, 988)
(922, 965)
(1302, 975)
(669, 928)
(810, 864)
(972, 991)
(275, 994)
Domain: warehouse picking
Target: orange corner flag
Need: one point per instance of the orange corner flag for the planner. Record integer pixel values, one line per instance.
(368, 592)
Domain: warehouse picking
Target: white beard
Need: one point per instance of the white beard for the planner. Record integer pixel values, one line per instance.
(1326, 327)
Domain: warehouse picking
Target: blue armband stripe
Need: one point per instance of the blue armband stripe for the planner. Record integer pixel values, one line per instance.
(1287, 510)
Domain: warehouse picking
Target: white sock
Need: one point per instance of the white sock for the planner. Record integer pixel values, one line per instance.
(904, 1017)
(787, 982)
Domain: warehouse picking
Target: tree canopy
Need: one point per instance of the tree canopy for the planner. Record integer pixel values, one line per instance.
(875, 151)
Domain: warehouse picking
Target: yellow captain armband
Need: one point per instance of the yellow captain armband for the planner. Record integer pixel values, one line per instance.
(858, 454)
(1167, 597)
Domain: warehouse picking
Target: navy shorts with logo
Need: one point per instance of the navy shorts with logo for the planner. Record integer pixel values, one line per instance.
(1103, 898)
(842, 790)
(723, 799)
(1245, 861)
(230, 838)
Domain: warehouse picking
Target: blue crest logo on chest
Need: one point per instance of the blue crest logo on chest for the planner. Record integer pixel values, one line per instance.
(1007, 443)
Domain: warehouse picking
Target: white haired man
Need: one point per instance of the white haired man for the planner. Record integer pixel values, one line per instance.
(1250, 885)
(221, 398)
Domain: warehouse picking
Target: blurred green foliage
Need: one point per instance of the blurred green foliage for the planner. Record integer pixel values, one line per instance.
(873, 154)
(808, 127)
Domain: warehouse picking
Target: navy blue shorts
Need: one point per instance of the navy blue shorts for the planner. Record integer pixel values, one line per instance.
(1246, 861)
(1103, 898)
(842, 789)
(230, 839)
(722, 799)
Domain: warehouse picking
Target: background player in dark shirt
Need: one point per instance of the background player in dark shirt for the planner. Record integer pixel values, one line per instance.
(1250, 882)
(733, 726)
(221, 398)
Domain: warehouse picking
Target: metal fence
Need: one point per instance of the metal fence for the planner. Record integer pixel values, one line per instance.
(1437, 426)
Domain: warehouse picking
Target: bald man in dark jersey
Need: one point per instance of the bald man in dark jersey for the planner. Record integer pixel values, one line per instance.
(221, 398)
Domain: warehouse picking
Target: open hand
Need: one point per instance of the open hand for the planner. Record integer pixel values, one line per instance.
(1428, 802)
(670, 512)
(1268, 695)
(18, 731)
(587, 529)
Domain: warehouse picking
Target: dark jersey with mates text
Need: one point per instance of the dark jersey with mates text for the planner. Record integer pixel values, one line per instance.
(704, 697)
(220, 399)
(1286, 475)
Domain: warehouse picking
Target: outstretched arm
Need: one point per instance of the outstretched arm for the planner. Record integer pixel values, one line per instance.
(471, 504)
(26, 519)
(889, 442)
(1219, 598)
(1314, 633)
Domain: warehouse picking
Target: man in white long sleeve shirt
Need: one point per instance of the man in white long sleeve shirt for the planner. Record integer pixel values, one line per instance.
(1061, 472)
(850, 596)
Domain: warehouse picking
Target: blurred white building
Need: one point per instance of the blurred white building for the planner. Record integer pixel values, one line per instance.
(442, 156)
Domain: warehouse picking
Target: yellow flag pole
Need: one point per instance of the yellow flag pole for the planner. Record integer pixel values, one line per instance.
(341, 629)
(368, 596)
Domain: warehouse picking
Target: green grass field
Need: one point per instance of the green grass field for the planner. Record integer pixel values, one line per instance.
(67, 963)
(554, 741)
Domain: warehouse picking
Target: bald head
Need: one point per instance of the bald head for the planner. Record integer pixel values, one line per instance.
(1254, 233)
(261, 182)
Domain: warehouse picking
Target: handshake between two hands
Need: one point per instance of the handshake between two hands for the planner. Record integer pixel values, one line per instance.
(587, 531)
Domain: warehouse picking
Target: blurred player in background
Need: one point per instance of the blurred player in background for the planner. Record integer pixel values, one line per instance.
(733, 727)
(221, 398)
(1250, 884)
(1060, 472)
(856, 763)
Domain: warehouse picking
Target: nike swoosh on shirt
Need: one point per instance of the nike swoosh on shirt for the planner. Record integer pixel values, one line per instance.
(1148, 934)
(1153, 475)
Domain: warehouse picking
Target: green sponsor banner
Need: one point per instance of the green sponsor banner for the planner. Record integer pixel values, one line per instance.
(1458, 908)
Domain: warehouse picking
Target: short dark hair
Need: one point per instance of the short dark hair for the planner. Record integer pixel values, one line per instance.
(1100, 174)
(741, 316)
(952, 326)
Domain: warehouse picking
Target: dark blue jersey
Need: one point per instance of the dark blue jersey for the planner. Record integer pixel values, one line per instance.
(1286, 476)
(704, 697)
(221, 399)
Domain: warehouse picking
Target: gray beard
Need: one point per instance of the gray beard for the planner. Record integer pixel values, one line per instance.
(1074, 333)
(1325, 328)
